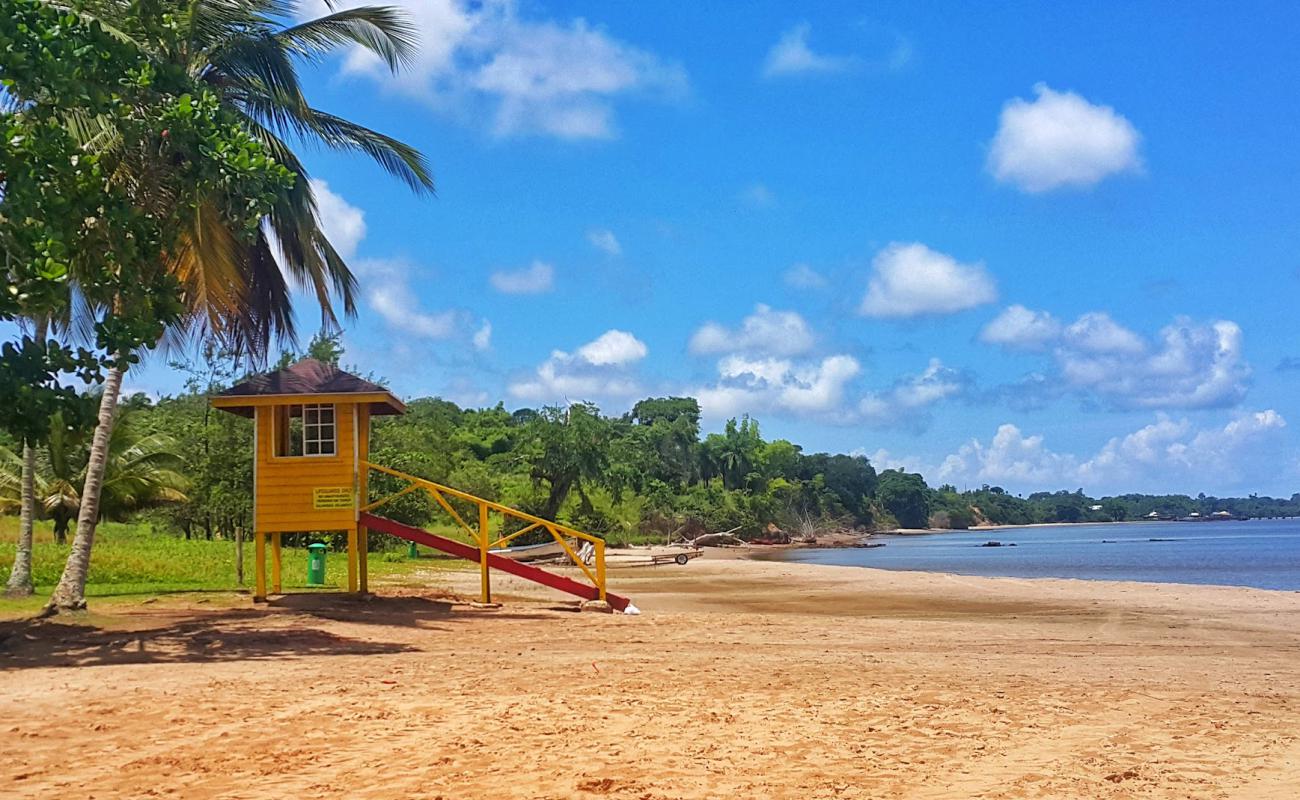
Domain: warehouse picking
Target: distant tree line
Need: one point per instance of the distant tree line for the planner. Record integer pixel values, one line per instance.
(642, 475)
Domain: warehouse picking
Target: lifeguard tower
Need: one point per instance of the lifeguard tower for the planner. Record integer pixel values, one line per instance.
(311, 429)
(311, 433)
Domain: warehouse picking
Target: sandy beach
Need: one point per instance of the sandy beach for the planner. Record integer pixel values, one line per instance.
(743, 678)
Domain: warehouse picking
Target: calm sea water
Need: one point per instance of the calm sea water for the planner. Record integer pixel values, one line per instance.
(1260, 553)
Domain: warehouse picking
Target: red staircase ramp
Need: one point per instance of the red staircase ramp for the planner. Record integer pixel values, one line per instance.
(471, 553)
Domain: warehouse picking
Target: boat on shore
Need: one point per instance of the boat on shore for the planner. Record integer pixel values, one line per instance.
(533, 552)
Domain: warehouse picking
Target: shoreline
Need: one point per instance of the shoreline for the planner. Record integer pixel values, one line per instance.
(1000, 527)
(778, 557)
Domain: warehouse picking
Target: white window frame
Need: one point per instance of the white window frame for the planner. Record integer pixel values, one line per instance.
(316, 433)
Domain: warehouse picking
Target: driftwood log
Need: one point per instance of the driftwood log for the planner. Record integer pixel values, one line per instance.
(723, 539)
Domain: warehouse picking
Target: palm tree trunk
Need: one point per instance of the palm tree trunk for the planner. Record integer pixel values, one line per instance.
(20, 577)
(71, 591)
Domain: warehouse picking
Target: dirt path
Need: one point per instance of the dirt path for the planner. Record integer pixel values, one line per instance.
(742, 679)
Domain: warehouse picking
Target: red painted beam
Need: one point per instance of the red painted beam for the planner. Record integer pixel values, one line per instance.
(471, 553)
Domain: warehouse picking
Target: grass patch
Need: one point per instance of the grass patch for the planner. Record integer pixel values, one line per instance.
(133, 561)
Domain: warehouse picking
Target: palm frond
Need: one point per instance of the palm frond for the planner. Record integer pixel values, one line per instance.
(60, 494)
(94, 133)
(11, 480)
(208, 261)
(384, 31)
(257, 60)
(397, 158)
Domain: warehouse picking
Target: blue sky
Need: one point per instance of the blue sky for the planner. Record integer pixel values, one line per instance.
(1021, 244)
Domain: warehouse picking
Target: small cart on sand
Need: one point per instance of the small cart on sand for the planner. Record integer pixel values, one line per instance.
(675, 558)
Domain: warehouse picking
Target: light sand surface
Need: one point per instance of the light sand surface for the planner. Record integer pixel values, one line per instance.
(742, 679)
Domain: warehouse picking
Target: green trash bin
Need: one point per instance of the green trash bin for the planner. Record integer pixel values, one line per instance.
(412, 551)
(316, 564)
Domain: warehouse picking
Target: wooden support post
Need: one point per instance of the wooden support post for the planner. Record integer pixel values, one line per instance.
(483, 553)
(600, 568)
(275, 563)
(352, 559)
(259, 559)
(363, 557)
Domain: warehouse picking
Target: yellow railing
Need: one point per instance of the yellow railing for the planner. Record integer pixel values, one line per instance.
(481, 536)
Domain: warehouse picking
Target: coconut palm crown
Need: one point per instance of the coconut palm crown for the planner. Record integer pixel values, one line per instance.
(143, 470)
(248, 52)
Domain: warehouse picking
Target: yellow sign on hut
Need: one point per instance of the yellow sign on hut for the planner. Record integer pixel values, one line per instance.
(311, 424)
(328, 498)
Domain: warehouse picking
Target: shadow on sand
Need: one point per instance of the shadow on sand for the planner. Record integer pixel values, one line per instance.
(291, 626)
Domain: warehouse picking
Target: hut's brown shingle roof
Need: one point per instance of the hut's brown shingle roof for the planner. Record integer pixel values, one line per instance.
(310, 377)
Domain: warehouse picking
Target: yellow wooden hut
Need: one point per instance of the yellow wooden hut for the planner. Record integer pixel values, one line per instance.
(311, 424)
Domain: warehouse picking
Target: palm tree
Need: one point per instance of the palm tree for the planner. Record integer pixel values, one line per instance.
(142, 471)
(234, 288)
(20, 575)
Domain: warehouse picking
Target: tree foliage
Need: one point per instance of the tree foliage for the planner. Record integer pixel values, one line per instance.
(86, 215)
(144, 470)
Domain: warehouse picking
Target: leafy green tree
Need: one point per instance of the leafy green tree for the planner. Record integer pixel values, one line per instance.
(565, 447)
(735, 453)
(669, 427)
(1113, 510)
(66, 224)
(781, 459)
(905, 496)
(244, 63)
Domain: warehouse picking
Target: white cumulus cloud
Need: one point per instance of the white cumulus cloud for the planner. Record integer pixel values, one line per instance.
(1009, 458)
(525, 75)
(1096, 332)
(598, 370)
(1019, 328)
(1188, 365)
(911, 280)
(792, 55)
(343, 223)
(766, 332)
(613, 347)
(387, 283)
(537, 278)
(605, 241)
(778, 385)
(1166, 455)
(389, 294)
(802, 276)
(908, 401)
(1059, 139)
(483, 336)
